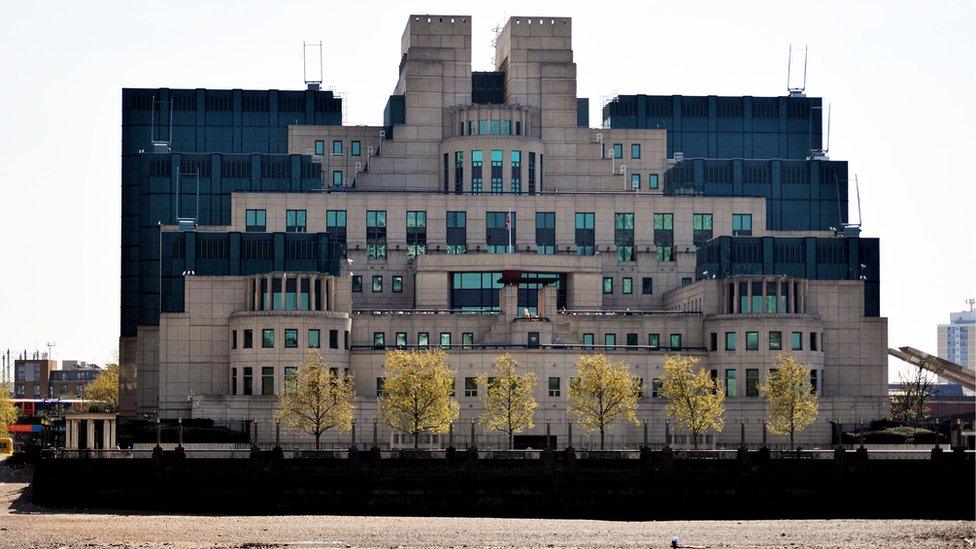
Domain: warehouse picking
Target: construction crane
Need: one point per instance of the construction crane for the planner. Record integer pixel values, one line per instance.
(949, 370)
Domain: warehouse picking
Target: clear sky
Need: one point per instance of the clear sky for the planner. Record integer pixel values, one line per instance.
(900, 78)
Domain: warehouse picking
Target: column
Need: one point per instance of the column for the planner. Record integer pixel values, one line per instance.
(332, 293)
(68, 431)
(256, 295)
(270, 294)
(106, 434)
(312, 294)
(790, 306)
(90, 435)
(732, 288)
(284, 278)
(111, 426)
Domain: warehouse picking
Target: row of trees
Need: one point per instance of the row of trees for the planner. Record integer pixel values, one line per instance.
(418, 396)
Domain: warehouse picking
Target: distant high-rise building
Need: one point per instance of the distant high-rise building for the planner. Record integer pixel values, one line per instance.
(956, 339)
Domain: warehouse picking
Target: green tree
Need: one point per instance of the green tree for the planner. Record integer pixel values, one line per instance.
(103, 391)
(605, 392)
(509, 402)
(8, 412)
(694, 399)
(417, 387)
(317, 399)
(792, 405)
(908, 404)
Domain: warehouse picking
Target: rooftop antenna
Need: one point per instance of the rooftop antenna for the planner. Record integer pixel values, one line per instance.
(972, 304)
(313, 80)
(857, 188)
(497, 29)
(796, 91)
(50, 350)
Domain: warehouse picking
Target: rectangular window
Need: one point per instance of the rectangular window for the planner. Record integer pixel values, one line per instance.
(377, 283)
(752, 341)
(248, 339)
(608, 284)
(587, 341)
(416, 233)
(506, 127)
(467, 340)
(337, 179)
(623, 236)
(291, 338)
(379, 386)
(713, 342)
(631, 340)
(545, 232)
(497, 157)
(401, 339)
(610, 340)
(729, 341)
(585, 233)
(496, 127)
(654, 341)
(531, 172)
(813, 341)
(267, 339)
(741, 224)
(731, 389)
(656, 387)
(397, 284)
(554, 390)
(376, 234)
(775, 341)
(627, 285)
(314, 338)
(295, 221)
(635, 181)
(357, 283)
(532, 340)
(233, 381)
(233, 339)
(664, 236)
(248, 381)
(814, 382)
(635, 150)
(333, 339)
(701, 227)
(500, 232)
(336, 146)
(796, 341)
(457, 232)
(335, 226)
(355, 148)
(647, 285)
(676, 341)
(379, 340)
(445, 340)
(267, 380)
(290, 373)
(423, 339)
(470, 387)
(752, 382)
(255, 221)
(652, 181)
(319, 147)
(516, 172)
(458, 172)
(477, 178)
(618, 150)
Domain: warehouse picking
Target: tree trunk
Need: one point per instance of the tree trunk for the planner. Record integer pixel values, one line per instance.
(694, 438)
(416, 440)
(318, 435)
(601, 437)
(511, 439)
(792, 447)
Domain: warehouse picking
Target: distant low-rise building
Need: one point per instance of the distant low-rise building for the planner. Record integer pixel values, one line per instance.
(43, 378)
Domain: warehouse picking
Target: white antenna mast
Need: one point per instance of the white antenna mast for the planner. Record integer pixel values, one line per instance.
(796, 91)
(313, 80)
(50, 350)
(857, 187)
(827, 146)
(497, 29)
(972, 304)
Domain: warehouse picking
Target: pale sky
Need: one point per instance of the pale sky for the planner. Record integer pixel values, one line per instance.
(900, 77)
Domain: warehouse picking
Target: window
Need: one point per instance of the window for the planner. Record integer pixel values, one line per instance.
(775, 341)
(729, 341)
(377, 283)
(587, 341)
(796, 341)
(423, 339)
(336, 146)
(752, 382)
(647, 285)
(554, 390)
(355, 148)
(585, 233)
(545, 232)
(401, 339)
(416, 233)
(335, 226)
(731, 389)
(295, 221)
(267, 339)
(608, 284)
(610, 340)
(379, 386)
(713, 342)
(477, 178)
(532, 340)
(664, 221)
(496, 127)
(752, 341)
(813, 341)
(248, 339)
(654, 341)
(618, 150)
(267, 380)
(631, 341)
(248, 379)
(531, 169)
(656, 387)
(814, 382)
(376, 234)
(497, 157)
(516, 172)
(333, 339)
(445, 340)
(467, 340)
(337, 178)
(483, 127)
(627, 285)
(397, 284)
(640, 387)
(676, 341)
(635, 181)
(701, 224)
(741, 224)
(623, 226)
(256, 221)
(458, 172)
(233, 381)
(379, 340)
(470, 387)
(290, 373)
(314, 338)
(233, 339)
(457, 232)
(664, 236)
(652, 181)
(635, 150)
(291, 338)
(500, 231)
(319, 147)
(357, 283)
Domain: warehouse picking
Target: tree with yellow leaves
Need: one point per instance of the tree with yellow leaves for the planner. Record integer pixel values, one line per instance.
(509, 402)
(317, 400)
(103, 391)
(694, 399)
(8, 412)
(793, 405)
(417, 387)
(605, 392)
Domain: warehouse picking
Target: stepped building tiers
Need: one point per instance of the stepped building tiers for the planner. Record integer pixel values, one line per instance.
(485, 216)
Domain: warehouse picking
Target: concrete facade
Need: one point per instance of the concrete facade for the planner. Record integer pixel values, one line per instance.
(585, 206)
